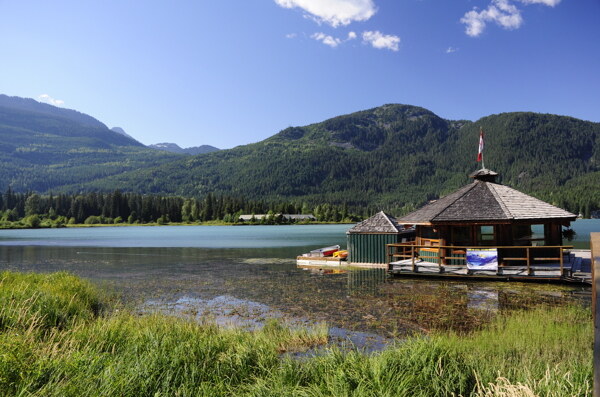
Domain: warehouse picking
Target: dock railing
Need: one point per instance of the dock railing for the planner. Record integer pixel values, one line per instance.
(444, 255)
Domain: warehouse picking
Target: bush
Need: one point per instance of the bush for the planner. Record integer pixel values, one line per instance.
(93, 220)
(32, 221)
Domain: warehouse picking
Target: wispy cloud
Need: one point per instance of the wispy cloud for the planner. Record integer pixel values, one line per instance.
(333, 12)
(550, 3)
(49, 100)
(291, 35)
(503, 12)
(330, 40)
(381, 41)
(451, 49)
(326, 39)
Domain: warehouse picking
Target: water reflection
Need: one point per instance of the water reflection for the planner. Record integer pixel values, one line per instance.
(366, 281)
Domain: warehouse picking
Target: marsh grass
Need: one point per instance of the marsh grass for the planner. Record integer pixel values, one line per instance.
(57, 339)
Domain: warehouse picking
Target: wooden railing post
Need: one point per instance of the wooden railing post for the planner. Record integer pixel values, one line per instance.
(595, 246)
(412, 255)
(528, 261)
(560, 254)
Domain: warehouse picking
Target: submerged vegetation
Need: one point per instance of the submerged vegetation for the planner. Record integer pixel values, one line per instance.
(60, 336)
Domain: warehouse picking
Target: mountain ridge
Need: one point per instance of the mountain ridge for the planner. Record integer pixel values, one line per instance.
(175, 148)
(391, 157)
(43, 147)
(29, 104)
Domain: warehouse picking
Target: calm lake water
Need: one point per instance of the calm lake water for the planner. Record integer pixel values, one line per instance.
(245, 274)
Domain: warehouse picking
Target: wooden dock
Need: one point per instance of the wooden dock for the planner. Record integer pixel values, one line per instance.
(323, 261)
(527, 263)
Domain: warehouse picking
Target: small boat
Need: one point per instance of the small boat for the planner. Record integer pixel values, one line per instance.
(321, 252)
(341, 254)
(325, 256)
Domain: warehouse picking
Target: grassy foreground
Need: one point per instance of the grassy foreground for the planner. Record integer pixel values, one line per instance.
(57, 338)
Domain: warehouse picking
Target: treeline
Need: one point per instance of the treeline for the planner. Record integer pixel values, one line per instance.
(34, 210)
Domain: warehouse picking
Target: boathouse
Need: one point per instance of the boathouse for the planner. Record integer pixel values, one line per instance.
(485, 228)
(367, 240)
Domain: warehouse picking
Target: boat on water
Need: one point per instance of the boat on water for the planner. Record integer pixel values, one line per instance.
(323, 252)
(326, 256)
(340, 254)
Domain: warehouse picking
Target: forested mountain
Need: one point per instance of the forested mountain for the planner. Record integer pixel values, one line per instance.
(31, 105)
(393, 157)
(175, 148)
(43, 147)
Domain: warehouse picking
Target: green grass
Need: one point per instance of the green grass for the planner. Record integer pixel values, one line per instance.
(57, 338)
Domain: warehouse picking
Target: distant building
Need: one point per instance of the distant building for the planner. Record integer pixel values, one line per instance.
(289, 217)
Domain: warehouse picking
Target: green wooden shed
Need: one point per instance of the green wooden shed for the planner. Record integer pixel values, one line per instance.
(367, 240)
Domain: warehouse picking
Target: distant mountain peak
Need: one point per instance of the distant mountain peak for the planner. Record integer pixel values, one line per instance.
(121, 131)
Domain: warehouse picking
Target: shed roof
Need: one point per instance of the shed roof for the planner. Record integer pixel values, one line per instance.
(378, 223)
(485, 201)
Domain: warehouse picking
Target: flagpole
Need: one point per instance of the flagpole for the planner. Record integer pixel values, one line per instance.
(480, 154)
(482, 163)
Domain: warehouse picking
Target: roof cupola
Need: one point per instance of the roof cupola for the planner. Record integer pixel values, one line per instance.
(484, 175)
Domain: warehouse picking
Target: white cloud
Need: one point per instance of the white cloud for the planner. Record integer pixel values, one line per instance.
(332, 41)
(49, 100)
(381, 41)
(451, 49)
(334, 12)
(550, 3)
(502, 12)
(291, 35)
(326, 39)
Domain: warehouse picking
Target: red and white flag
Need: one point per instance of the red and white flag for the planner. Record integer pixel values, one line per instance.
(480, 154)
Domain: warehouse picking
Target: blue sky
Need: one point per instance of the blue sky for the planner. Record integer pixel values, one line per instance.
(231, 72)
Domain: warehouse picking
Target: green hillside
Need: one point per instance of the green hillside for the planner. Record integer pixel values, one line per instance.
(43, 147)
(393, 157)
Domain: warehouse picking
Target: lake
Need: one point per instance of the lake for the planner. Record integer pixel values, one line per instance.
(242, 275)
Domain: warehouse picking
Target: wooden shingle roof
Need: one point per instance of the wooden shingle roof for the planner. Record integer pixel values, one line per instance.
(378, 223)
(485, 201)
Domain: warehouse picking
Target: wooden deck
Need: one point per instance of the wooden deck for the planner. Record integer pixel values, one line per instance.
(554, 263)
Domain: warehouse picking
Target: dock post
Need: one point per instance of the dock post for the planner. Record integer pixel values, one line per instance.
(595, 246)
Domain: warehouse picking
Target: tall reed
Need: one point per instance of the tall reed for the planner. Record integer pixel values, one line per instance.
(54, 341)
